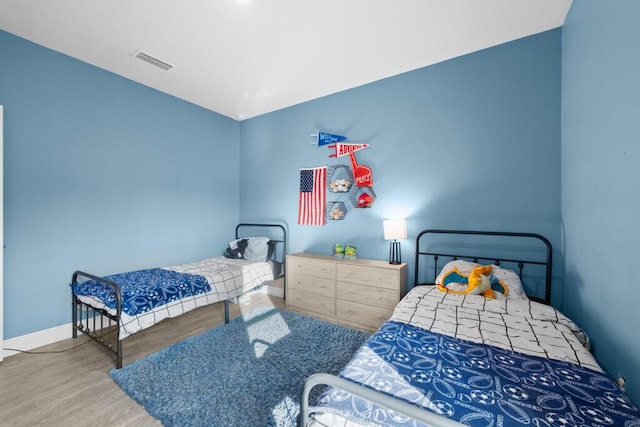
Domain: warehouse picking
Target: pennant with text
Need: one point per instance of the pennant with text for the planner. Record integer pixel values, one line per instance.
(342, 149)
(324, 138)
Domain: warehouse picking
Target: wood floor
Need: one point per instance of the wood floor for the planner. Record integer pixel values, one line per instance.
(73, 388)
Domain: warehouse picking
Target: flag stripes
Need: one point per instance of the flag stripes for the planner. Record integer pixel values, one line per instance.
(313, 194)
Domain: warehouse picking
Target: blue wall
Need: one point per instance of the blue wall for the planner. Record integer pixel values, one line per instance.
(105, 175)
(600, 178)
(470, 143)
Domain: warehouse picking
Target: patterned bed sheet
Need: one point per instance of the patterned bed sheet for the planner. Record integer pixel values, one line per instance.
(226, 279)
(517, 324)
(474, 384)
(482, 362)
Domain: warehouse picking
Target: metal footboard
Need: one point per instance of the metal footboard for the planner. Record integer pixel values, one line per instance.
(91, 321)
(430, 418)
(100, 325)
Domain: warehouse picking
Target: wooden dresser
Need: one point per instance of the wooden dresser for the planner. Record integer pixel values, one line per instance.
(359, 293)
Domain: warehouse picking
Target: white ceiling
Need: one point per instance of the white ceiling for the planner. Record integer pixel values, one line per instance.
(243, 58)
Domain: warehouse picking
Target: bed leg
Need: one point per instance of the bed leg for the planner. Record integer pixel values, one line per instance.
(119, 355)
(74, 316)
(226, 312)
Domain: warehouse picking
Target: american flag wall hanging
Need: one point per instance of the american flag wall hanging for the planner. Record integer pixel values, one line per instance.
(313, 196)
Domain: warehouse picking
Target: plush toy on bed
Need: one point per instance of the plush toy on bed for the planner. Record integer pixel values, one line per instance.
(236, 249)
(478, 282)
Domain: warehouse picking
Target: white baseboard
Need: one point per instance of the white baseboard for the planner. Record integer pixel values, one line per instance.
(59, 333)
(274, 291)
(36, 339)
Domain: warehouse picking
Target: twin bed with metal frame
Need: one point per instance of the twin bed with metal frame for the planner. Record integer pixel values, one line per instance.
(110, 308)
(446, 358)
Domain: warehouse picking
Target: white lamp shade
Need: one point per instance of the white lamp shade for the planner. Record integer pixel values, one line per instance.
(394, 229)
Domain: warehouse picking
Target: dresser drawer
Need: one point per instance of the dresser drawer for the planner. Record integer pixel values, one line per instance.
(362, 314)
(311, 302)
(369, 295)
(360, 293)
(379, 277)
(312, 285)
(311, 267)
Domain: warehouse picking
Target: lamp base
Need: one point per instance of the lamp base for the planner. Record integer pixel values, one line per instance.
(394, 253)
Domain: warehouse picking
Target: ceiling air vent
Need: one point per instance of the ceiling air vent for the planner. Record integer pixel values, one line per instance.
(153, 61)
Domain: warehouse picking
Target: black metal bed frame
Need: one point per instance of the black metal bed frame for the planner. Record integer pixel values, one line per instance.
(547, 262)
(105, 327)
(422, 250)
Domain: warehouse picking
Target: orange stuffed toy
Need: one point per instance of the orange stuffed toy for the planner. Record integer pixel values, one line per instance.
(479, 283)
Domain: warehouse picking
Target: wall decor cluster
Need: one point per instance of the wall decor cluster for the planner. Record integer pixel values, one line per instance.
(329, 192)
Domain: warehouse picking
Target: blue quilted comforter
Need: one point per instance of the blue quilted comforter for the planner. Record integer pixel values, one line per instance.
(475, 384)
(144, 290)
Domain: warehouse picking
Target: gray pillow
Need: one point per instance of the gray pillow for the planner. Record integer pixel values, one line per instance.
(257, 249)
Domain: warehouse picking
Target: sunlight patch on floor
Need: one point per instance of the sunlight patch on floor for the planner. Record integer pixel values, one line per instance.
(284, 411)
(265, 329)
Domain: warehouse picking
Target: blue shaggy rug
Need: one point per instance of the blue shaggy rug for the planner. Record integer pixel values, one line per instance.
(247, 373)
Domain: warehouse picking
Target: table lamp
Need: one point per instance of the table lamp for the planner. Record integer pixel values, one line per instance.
(395, 229)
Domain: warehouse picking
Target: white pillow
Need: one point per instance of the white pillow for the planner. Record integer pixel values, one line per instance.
(257, 248)
(508, 277)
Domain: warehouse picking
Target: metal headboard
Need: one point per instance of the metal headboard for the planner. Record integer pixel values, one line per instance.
(521, 263)
(280, 238)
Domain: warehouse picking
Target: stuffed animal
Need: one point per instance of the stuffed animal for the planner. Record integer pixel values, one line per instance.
(236, 249)
(478, 283)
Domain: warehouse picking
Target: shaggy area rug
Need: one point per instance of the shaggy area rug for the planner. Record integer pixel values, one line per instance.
(247, 373)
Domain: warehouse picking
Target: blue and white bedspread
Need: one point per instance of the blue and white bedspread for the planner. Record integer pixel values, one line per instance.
(144, 290)
(150, 296)
(475, 384)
